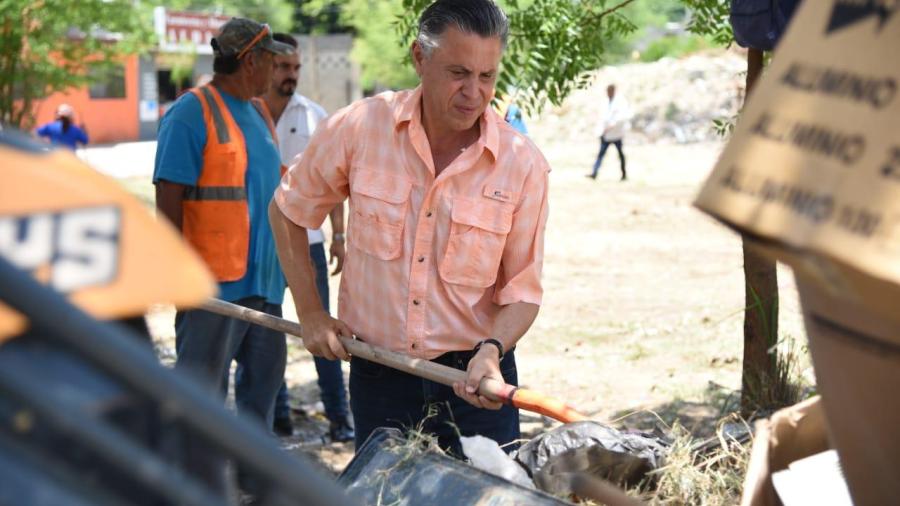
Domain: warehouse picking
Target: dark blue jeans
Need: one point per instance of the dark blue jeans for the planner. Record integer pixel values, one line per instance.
(384, 397)
(331, 378)
(207, 343)
(604, 145)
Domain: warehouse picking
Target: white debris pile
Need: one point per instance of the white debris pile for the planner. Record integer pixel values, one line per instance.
(672, 100)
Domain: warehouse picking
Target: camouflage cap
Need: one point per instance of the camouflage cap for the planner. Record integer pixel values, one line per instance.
(239, 35)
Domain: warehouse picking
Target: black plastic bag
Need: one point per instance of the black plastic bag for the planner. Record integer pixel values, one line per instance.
(589, 448)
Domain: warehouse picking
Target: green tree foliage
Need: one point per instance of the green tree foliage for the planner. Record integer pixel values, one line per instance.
(673, 46)
(317, 17)
(51, 45)
(651, 18)
(710, 18)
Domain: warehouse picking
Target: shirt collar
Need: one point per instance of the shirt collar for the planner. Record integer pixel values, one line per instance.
(411, 105)
(296, 100)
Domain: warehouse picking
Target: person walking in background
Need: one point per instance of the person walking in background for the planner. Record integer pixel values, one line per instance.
(63, 131)
(295, 119)
(612, 129)
(448, 207)
(217, 166)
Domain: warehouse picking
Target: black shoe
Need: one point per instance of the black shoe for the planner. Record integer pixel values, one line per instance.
(341, 430)
(591, 176)
(283, 426)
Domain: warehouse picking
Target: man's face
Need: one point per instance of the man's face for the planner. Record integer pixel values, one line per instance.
(610, 92)
(458, 78)
(286, 73)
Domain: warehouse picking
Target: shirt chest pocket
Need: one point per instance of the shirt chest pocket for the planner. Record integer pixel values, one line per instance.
(478, 231)
(379, 203)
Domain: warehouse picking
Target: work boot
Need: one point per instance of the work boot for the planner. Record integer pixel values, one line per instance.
(341, 429)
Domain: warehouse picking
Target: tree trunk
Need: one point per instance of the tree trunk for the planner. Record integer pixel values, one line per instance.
(761, 303)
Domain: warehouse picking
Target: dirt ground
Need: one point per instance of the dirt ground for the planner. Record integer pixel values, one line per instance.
(642, 314)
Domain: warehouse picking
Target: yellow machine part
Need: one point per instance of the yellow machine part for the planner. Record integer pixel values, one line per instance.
(86, 236)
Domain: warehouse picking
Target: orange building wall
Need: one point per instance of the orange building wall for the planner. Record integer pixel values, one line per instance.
(107, 119)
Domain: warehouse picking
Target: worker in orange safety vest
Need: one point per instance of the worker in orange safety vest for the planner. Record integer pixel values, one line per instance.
(217, 166)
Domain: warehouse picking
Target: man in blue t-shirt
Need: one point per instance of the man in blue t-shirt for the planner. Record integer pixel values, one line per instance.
(205, 140)
(63, 131)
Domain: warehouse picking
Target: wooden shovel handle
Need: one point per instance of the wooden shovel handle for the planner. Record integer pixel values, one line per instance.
(492, 389)
(415, 366)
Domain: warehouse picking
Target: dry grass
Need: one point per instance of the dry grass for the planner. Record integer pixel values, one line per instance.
(711, 478)
(696, 472)
(417, 442)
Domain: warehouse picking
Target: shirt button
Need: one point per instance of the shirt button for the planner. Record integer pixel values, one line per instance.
(421, 259)
(415, 302)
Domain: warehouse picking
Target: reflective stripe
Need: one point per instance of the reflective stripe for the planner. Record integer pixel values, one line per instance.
(259, 108)
(264, 112)
(215, 193)
(218, 119)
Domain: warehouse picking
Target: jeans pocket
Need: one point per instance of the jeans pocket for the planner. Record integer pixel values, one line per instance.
(365, 369)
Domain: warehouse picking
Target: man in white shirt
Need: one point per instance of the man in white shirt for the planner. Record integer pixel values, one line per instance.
(295, 118)
(612, 130)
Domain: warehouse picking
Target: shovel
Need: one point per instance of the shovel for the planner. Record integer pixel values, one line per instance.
(579, 478)
(495, 390)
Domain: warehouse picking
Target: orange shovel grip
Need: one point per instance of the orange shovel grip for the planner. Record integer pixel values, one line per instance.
(530, 400)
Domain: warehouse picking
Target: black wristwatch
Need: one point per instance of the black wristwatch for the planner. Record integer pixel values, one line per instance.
(495, 342)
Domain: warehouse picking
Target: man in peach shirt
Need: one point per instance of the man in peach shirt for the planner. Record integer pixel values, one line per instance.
(448, 206)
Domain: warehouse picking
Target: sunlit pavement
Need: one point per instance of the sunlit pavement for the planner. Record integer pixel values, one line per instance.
(122, 160)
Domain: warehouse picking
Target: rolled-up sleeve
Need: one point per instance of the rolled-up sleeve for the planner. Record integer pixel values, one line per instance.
(523, 256)
(317, 179)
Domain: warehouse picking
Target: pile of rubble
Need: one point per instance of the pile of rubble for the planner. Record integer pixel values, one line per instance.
(672, 100)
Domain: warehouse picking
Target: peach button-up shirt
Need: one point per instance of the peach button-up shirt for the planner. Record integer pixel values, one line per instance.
(430, 260)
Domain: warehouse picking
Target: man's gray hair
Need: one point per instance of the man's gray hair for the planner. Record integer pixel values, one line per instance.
(478, 17)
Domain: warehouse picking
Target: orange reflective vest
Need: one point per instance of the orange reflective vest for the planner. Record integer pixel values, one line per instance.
(216, 216)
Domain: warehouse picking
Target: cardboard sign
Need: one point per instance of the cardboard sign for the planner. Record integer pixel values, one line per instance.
(812, 174)
(814, 163)
(789, 435)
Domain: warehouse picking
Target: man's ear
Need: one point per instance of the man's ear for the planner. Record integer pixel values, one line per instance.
(250, 61)
(255, 59)
(418, 56)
